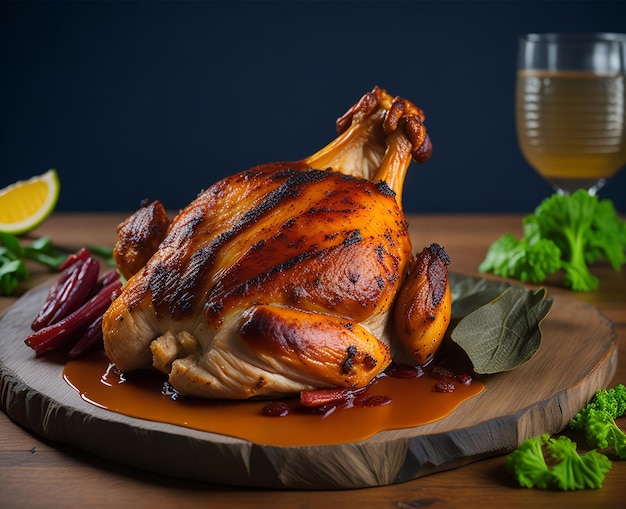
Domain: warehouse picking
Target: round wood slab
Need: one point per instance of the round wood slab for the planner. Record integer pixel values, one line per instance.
(577, 357)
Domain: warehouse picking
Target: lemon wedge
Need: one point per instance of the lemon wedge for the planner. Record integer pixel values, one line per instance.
(25, 204)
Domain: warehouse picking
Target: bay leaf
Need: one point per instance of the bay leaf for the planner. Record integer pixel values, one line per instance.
(505, 332)
(470, 293)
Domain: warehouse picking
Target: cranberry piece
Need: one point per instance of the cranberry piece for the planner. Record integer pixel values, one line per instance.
(321, 409)
(276, 409)
(464, 378)
(444, 385)
(404, 371)
(439, 372)
(371, 401)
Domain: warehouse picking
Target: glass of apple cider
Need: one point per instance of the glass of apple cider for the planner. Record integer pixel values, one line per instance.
(570, 106)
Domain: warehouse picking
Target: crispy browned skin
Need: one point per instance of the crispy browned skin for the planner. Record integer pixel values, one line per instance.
(423, 307)
(139, 236)
(234, 246)
(283, 276)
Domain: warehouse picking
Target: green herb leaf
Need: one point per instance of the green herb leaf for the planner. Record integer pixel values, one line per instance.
(12, 248)
(44, 252)
(103, 252)
(471, 293)
(501, 335)
(565, 232)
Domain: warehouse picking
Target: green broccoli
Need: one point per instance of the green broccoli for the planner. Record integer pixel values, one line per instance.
(597, 420)
(571, 471)
(601, 431)
(612, 401)
(568, 232)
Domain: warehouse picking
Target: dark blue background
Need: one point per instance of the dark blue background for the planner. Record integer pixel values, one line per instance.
(133, 100)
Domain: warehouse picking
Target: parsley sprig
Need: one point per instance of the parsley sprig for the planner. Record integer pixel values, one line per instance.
(13, 256)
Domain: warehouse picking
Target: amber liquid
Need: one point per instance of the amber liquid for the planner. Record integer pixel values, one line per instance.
(572, 125)
(141, 395)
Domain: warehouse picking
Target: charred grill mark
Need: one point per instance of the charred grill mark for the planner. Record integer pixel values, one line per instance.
(318, 210)
(384, 188)
(290, 223)
(215, 307)
(291, 188)
(175, 289)
(179, 286)
(380, 252)
(437, 273)
(301, 178)
(389, 262)
(347, 364)
(296, 243)
(389, 238)
(185, 302)
(440, 253)
(369, 361)
(282, 193)
(218, 296)
(179, 290)
(258, 245)
(187, 230)
(352, 238)
(159, 283)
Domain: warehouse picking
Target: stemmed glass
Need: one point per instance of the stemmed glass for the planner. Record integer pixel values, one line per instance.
(571, 107)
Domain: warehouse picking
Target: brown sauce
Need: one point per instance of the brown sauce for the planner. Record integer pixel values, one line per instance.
(142, 395)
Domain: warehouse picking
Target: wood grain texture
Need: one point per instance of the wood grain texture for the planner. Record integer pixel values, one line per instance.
(578, 356)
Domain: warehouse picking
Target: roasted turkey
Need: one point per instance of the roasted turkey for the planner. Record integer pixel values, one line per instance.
(287, 277)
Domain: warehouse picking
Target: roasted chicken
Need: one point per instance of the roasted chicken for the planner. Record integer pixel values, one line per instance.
(289, 276)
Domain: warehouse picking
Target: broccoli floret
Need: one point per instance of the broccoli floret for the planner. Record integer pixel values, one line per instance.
(568, 232)
(602, 432)
(571, 472)
(597, 420)
(611, 401)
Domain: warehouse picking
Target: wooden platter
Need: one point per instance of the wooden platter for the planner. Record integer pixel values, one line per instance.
(578, 356)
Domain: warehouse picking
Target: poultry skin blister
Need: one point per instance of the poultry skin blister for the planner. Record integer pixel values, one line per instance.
(289, 276)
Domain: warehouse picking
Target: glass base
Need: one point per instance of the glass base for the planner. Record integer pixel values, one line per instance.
(570, 185)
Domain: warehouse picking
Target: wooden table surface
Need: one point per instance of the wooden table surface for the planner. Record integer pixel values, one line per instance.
(35, 473)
